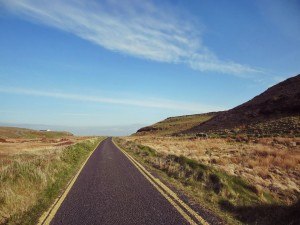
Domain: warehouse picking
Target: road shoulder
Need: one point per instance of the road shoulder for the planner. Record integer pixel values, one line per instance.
(196, 213)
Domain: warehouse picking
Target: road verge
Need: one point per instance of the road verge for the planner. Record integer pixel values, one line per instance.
(47, 216)
(188, 213)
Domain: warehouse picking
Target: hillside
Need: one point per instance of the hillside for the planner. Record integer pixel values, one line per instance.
(256, 143)
(177, 124)
(275, 111)
(15, 132)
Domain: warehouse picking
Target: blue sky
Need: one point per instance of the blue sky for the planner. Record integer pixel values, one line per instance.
(113, 66)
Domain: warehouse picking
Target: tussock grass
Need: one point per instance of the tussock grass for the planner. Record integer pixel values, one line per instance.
(271, 164)
(29, 182)
(223, 193)
(233, 198)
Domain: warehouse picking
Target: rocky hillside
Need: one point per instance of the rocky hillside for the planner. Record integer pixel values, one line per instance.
(274, 112)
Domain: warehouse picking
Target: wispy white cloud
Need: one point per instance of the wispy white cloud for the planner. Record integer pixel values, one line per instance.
(131, 27)
(150, 103)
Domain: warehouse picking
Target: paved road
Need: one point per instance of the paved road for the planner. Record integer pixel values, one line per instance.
(111, 190)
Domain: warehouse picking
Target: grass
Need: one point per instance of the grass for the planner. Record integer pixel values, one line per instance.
(29, 182)
(177, 124)
(15, 132)
(271, 164)
(227, 195)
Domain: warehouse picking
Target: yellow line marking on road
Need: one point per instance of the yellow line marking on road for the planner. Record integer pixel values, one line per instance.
(163, 189)
(47, 216)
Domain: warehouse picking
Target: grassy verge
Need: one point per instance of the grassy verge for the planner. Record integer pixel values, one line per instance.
(231, 197)
(29, 183)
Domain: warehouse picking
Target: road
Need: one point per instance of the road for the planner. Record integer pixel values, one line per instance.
(111, 190)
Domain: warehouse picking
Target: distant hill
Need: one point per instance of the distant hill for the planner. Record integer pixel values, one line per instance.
(15, 132)
(174, 125)
(275, 111)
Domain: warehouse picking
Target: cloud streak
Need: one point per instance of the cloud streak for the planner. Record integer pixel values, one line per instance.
(149, 103)
(130, 27)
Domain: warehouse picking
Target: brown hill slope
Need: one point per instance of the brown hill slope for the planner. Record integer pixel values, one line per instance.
(275, 111)
(16, 132)
(176, 124)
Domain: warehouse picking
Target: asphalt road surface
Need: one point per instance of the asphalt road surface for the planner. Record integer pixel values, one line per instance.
(111, 190)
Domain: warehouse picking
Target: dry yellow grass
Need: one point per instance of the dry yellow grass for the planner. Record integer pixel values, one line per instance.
(20, 195)
(28, 167)
(271, 164)
(10, 146)
(16, 132)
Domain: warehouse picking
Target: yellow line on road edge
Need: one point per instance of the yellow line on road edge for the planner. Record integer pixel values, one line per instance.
(163, 189)
(47, 216)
